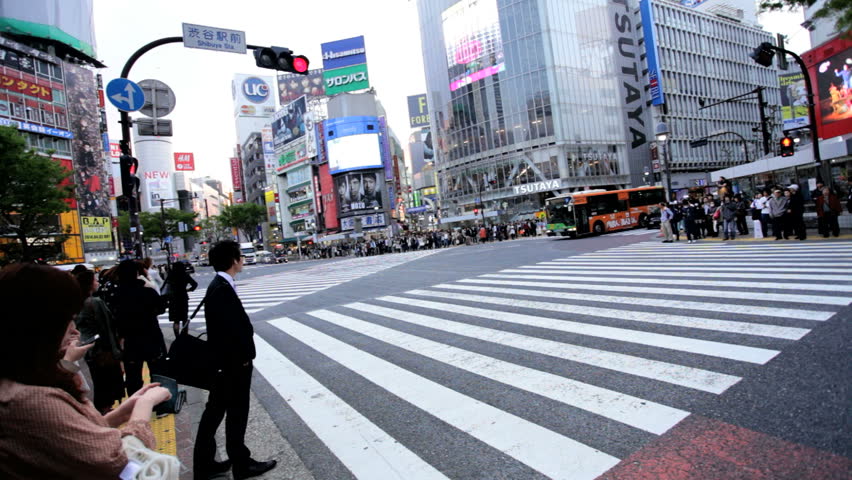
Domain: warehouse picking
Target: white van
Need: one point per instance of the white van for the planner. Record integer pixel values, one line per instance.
(247, 249)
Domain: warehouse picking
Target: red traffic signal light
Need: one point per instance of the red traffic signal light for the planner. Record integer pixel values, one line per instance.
(788, 147)
(475, 211)
(282, 59)
(197, 228)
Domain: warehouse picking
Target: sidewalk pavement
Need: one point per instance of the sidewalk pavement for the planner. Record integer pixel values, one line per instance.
(176, 436)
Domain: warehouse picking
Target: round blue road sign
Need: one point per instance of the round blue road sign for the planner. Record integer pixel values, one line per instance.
(125, 95)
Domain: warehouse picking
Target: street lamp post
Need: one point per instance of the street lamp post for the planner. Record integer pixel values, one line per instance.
(662, 135)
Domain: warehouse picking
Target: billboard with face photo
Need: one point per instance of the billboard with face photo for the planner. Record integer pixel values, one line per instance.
(357, 192)
(291, 86)
(288, 124)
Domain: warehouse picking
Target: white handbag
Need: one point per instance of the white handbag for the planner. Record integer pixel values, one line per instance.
(146, 464)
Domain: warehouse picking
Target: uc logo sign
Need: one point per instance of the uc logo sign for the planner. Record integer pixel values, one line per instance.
(255, 90)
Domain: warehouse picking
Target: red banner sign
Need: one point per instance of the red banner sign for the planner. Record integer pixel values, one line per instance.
(236, 174)
(25, 87)
(184, 162)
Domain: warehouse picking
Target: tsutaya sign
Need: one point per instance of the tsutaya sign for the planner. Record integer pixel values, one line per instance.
(544, 186)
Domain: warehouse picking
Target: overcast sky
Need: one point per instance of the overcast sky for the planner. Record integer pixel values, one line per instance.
(203, 119)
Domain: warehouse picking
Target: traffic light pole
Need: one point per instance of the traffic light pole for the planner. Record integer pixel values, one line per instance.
(133, 206)
(764, 129)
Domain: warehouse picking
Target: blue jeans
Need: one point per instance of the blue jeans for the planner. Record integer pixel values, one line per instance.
(731, 228)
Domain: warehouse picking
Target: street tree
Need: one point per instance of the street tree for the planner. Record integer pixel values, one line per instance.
(244, 217)
(840, 10)
(153, 225)
(34, 190)
(213, 230)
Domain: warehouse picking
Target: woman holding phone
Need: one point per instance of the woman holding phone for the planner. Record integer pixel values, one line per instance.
(96, 325)
(50, 430)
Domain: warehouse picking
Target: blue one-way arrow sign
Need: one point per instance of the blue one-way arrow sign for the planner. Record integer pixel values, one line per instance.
(125, 95)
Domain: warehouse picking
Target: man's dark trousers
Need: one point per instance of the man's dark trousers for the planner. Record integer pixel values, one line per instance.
(230, 395)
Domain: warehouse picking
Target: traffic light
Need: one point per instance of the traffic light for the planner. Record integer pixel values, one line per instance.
(280, 58)
(476, 211)
(763, 54)
(788, 147)
(197, 228)
(129, 180)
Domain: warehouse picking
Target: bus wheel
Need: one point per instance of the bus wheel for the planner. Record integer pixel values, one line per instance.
(598, 228)
(573, 235)
(643, 221)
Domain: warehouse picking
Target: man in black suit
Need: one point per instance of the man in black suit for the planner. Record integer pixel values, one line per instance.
(230, 337)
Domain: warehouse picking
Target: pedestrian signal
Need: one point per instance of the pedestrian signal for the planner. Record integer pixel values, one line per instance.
(788, 147)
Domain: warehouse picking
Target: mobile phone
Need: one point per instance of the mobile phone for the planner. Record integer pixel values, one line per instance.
(83, 343)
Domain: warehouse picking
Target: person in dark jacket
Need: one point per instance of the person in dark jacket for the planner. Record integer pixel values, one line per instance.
(178, 284)
(137, 307)
(104, 359)
(797, 212)
(742, 211)
(828, 209)
(729, 218)
(231, 342)
(691, 213)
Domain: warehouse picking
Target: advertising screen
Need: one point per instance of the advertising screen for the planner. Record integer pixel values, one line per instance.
(794, 100)
(288, 124)
(358, 191)
(473, 42)
(354, 152)
(292, 86)
(834, 82)
(418, 111)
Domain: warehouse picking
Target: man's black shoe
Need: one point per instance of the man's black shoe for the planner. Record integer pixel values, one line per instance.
(253, 469)
(208, 471)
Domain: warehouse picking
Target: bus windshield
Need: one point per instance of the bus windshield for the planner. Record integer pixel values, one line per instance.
(560, 213)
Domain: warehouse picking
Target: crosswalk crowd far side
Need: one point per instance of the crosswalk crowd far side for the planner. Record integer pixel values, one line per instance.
(555, 370)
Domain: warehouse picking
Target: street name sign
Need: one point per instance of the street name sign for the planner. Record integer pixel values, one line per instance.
(125, 95)
(214, 38)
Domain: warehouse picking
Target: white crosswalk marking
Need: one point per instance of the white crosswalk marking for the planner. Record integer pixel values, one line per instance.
(260, 293)
(588, 334)
(633, 233)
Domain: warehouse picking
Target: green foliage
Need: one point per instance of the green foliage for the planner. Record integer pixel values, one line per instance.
(841, 9)
(245, 217)
(213, 230)
(152, 224)
(31, 198)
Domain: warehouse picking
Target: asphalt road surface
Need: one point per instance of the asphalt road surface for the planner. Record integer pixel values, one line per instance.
(608, 357)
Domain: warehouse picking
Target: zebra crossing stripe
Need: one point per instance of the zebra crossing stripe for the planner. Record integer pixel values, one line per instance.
(767, 283)
(636, 412)
(723, 255)
(744, 328)
(548, 452)
(365, 449)
(672, 342)
(653, 302)
(674, 374)
(671, 291)
(694, 267)
(666, 273)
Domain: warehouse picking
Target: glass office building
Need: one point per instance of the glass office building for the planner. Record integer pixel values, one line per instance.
(530, 98)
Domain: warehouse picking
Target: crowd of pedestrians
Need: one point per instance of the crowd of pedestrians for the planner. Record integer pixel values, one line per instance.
(378, 244)
(58, 424)
(777, 212)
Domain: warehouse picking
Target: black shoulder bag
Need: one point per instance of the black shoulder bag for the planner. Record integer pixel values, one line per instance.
(190, 360)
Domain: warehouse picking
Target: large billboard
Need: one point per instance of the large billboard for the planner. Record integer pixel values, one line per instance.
(473, 41)
(650, 33)
(418, 111)
(345, 65)
(292, 86)
(358, 192)
(794, 100)
(328, 196)
(288, 124)
(253, 96)
(354, 152)
(830, 68)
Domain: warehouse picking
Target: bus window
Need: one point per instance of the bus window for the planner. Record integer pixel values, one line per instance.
(646, 197)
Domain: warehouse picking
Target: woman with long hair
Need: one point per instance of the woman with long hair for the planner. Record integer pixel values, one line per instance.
(50, 429)
(137, 307)
(104, 358)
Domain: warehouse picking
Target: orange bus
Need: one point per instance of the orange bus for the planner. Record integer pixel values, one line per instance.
(601, 211)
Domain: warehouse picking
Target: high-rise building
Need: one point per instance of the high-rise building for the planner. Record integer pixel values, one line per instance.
(49, 92)
(531, 98)
(703, 58)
